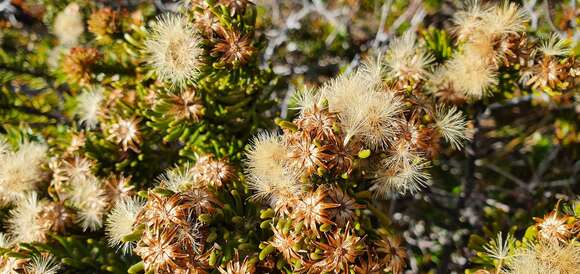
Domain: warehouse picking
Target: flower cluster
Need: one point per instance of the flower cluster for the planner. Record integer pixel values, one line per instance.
(167, 231)
(373, 130)
(359, 120)
(549, 246)
(492, 38)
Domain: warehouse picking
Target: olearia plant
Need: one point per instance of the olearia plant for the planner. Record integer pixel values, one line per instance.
(161, 137)
(548, 246)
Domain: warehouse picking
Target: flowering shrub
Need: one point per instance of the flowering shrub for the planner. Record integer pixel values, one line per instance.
(288, 137)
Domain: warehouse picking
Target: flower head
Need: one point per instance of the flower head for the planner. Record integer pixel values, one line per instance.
(78, 64)
(237, 266)
(68, 25)
(266, 169)
(405, 61)
(553, 227)
(500, 248)
(306, 156)
(118, 188)
(394, 253)
(452, 125)
(173, 49)
(43, 264)
(212, 172)
(473, 77)
(55, 216)
(313, 210)
(88, 107)
(21, 170)
(554, 46)
(177, 179)
(160, 251)
(341, 250)
(24, 224)
(545, 257)
(121, 220)
(126, 133)
(233, 48)
(185, 106)
(402, 178)
(285, 243)
(345, 212)
(90, 200)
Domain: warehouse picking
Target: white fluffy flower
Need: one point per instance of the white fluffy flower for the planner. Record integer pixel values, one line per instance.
(120, 222)
(68, 25)
(21, 170)
(43, 264)
(24, 225)
(88, 106)
(452, 126)
(173, 49)
(90, 199)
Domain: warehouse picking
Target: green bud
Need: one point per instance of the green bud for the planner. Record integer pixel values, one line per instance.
(211, 237)
(163, 191)
(136, 268)
(237, 219)
(315, 256)
(286, 125)
(266, 251)
(204, 218)
(266, 224)
(365, 153)
(212, 258)
(325, 227)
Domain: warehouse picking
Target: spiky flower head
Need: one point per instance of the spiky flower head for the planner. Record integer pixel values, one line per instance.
(118, 188)
(341, 249)
(185, 106)
(55, 217)
(238, 266)
(120, 222)
(345, 212)
(545, 257)
(233, 48)
(78, 64)
(393, 253)
(473, 76)
(313, 210)
(21, 170)
(555, 46)
(68, 25)
(43, 264)
(126, 133)
(212, 172)
(285, 243)
(506, 18)
(402, 178)
(90, 200)
(266, 169)
(500, 248)
(405, 61)
(452, 125)
(103, 22)
(553, 227)
(173, 49)
(178, 179)
(306, 156)
(88, 106)
(24, 224)
(160, 251)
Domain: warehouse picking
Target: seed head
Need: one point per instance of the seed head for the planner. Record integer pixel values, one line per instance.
(173, 49)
